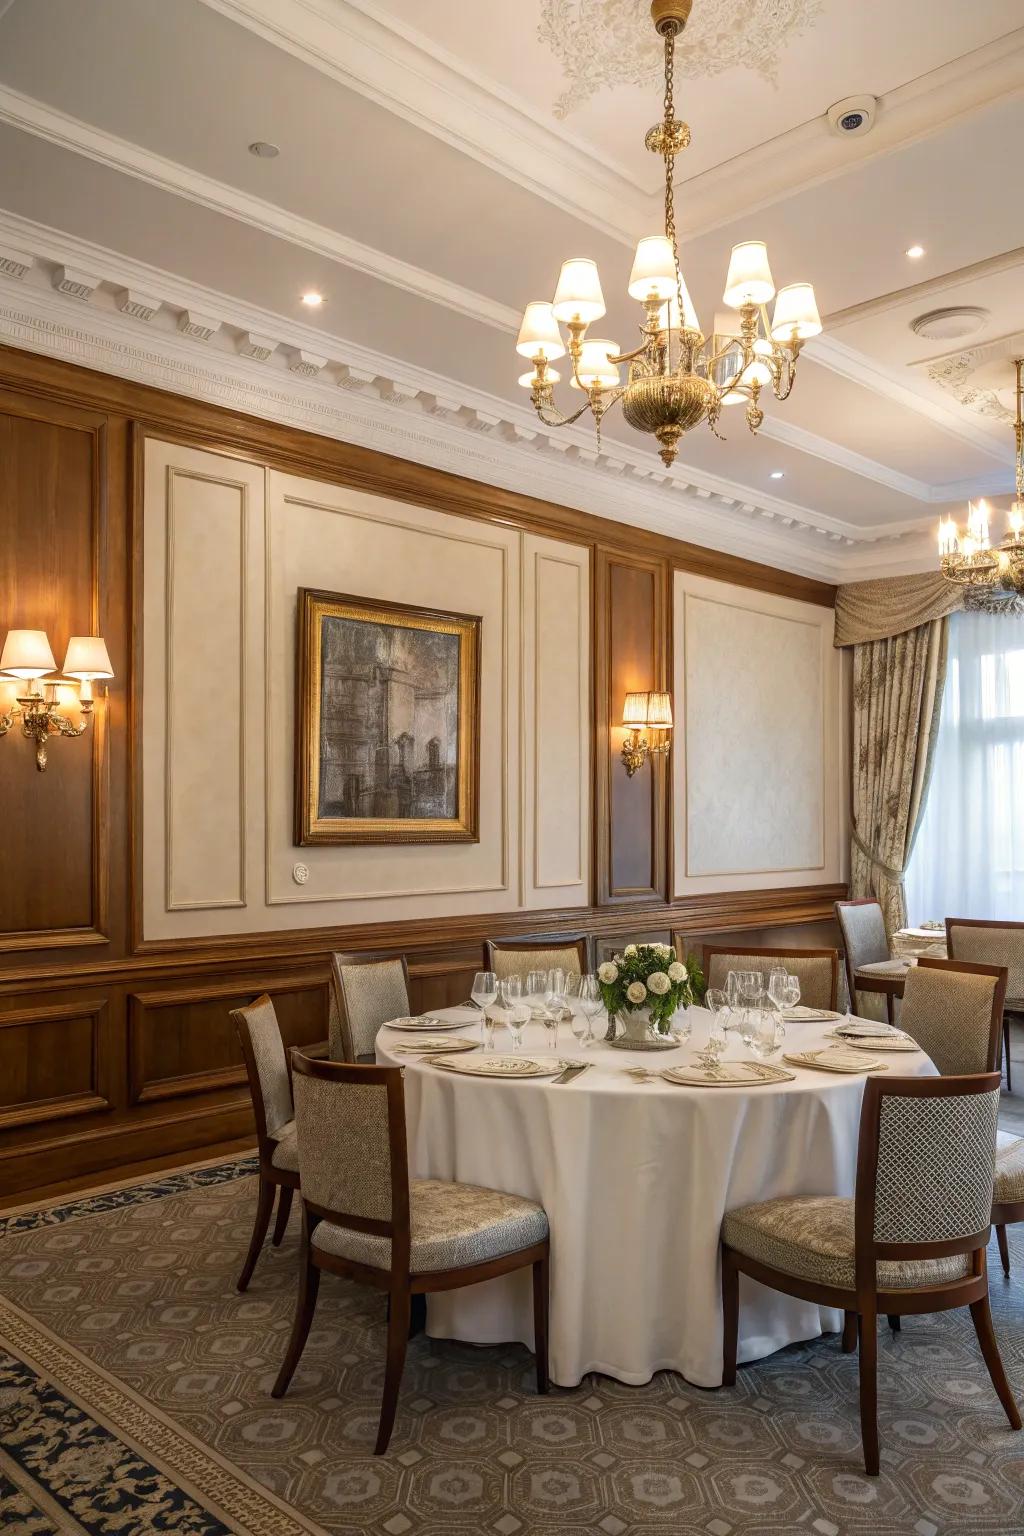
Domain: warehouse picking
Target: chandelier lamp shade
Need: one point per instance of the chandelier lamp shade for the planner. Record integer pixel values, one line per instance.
(966, 557)
(676, 378)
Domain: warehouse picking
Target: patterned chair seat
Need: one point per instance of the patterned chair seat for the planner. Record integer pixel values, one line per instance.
(1009, 1184)
(286, 1153)
(812, 1237)
(452, 1225)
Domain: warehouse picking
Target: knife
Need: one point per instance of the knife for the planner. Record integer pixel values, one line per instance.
(573, 1070)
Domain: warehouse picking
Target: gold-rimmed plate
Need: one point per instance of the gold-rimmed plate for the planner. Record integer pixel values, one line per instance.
(414, 1023)
(433, 1045)
(728, 1074)
(875, 1042)
(835, 1058)
(501, 1066)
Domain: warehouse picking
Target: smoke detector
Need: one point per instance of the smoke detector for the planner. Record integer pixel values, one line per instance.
(950, 324)
(854, 115)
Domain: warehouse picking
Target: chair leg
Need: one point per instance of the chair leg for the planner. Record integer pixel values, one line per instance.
(398, 1337)
(1006, 1053)
(868, 1328)
(981, 1316)
(730, 1317)
(540, 1321)
(849, 1332)
(305, 1306)
(264, 1206)
(890, 1007)
(1004, 1247)
(894, 1322)
(284, 1206)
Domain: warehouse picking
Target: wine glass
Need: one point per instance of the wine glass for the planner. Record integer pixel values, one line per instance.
(792, 991)
(766, 1040)
(483, 993)
(777, 987)
(555, 996)
(589, 999)
(536, 991)
(517, 1020)
(732, 987)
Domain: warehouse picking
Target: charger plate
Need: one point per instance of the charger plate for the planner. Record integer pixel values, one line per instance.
(875, 1042)
(501, 1066)
(834, 1058)
(431, 1044)
(424, 1022)
(728, 1074)
(867, 1029)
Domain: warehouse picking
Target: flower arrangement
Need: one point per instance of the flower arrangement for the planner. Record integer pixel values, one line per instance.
(649, 976)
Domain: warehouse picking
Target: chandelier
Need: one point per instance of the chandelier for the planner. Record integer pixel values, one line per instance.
(968, 559)
(676, 378)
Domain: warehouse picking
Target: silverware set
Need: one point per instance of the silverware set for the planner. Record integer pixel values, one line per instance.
(570, 1069)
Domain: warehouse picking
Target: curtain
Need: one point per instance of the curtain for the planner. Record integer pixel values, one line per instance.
(890, 605)
(968, 860)
(897, 693)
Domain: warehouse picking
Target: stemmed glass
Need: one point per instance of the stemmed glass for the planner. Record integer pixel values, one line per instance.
(777, 983)
(537, 991)
(751, 992)
(554, 997)
(589, 998)
(484, 992)
(792, 996)
(517, 1019)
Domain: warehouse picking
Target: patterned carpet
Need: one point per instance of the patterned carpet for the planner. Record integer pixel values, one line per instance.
(134, 1398)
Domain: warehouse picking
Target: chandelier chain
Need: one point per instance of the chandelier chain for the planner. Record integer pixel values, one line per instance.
(670, 200)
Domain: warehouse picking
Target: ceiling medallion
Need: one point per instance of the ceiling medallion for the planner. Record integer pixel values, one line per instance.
(677, 378)
(600, 46)
(967, 559)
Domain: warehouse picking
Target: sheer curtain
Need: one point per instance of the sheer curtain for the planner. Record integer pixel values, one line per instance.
(968, 857)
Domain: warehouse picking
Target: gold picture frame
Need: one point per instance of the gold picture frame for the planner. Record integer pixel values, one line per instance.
(387, 722)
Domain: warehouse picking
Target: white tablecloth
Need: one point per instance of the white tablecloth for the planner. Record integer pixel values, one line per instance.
(635, 1179)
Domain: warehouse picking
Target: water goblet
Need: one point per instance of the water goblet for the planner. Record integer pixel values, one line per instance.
(766, 1041)
(554, 998)
(777, 985)
(483, 993)
(580, 1026)
(590, 1003)
(518, 1018)
(536, 991)
(792, 991)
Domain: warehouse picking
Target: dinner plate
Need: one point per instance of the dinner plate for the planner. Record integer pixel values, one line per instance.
(502, 1066)
(424, 1021)
(802, 1015)
(876, 1042)
(728, 1074)
(834, 1058)
(866, 1029)
(432, 1043)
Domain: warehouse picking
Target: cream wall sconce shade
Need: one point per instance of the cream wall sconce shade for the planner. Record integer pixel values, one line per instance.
(27, 657)
(650, 711)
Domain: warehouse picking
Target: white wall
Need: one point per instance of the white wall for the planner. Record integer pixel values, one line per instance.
(757, 761)
(227, 545)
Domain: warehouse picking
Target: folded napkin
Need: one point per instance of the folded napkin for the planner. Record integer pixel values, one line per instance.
(807, 1015)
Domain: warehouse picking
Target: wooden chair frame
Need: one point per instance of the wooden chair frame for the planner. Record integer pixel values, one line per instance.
(400, 1283)
(987, 922)
(865, 1302)
(890, 987)
(338, 958)
(272, 1178)
(578, 941)
(788, 953)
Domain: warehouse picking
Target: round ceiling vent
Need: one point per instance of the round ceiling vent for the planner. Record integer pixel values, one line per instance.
(949, 324)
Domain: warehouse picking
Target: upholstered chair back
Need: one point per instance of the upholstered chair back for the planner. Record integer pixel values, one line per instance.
(954, 1012)
(509, 958)
(929, 1174)
(865, 942)
(990, 943)
(350, 1122)
(817, 969)
(266, 1064)
(365, 993)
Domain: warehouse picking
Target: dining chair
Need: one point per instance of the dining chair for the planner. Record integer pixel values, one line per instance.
(816, 969)
(517, 957)
(364, 1218)
(366, 991)
(865, 942)
(266, 1066)
(993, 942)
(954, 1012)
(911, 1240)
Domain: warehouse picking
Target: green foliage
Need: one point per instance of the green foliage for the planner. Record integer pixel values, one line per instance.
(636, 966)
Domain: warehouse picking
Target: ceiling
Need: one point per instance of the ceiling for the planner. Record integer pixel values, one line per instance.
(433, 175)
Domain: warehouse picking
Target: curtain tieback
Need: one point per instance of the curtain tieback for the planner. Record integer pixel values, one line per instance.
(876, 863)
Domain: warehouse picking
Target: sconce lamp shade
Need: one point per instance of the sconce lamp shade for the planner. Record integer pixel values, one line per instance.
(87, 658)
(750, 278)
(27, 654)
(652, 709)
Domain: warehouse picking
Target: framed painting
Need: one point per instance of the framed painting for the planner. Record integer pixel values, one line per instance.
(388, 722)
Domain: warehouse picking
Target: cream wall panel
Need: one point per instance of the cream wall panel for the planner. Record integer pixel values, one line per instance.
(201, 687)
(556, 723)
(757, 760)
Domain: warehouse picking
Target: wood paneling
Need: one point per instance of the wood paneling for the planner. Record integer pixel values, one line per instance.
(124, 1051)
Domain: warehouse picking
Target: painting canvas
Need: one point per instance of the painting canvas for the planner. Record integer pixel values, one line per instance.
(388, 747)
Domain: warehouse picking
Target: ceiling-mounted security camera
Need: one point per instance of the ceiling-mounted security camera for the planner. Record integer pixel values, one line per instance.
(856, 114)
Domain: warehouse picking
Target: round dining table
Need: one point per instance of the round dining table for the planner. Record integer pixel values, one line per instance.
(635, 1175)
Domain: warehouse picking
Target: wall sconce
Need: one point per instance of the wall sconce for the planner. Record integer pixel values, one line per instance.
(645, 711)
(28, 658)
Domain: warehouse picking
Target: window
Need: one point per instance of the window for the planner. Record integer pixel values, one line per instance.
(968, 859)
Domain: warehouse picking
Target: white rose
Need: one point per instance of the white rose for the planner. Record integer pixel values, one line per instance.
(676, 971)
(630, 950)
(664, 949)
(608, 972)
(658, 983)
(636, 992)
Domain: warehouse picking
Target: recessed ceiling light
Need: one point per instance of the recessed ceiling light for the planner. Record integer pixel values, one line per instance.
(915, 252)
(263, 150)
(312, 298)
(778, 474)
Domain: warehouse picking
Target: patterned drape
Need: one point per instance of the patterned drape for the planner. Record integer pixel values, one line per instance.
(897, 693)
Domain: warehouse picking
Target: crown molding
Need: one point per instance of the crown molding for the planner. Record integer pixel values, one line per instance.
(365, 49)
(71, 133)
